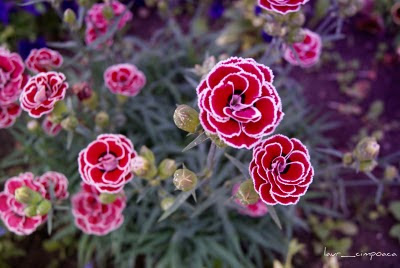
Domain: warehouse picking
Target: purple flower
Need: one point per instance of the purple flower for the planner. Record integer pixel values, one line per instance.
(216, 10)
(5, 9)
(2, 231)
(257, 10)
(70, 4)
(25, 46)
(266, 37)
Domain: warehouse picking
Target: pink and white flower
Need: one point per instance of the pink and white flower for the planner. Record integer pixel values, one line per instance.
(124, 79)
(9, 114)
(92, 216)
(50, 128)
(11, 76)
(282, 6)
(56, 180)
(43, 60)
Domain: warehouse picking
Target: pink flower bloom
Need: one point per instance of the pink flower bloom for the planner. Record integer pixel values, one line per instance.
(308, 51)
(258, 209)
(98, 24)
(281, 170)
(8, 114)
(11, 76)
(43, 60)
(282, 6)
(105, 163)
(12, 211)
(124, 79)
(59, 183)
(51, 128)
(42, 92)
(238, 102)
(93, 217)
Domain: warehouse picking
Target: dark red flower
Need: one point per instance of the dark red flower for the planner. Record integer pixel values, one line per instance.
(238, 102)
(43, 60)
(281, 170)
(105, 163)
(11, 76)
(124, 79)
(50, 128)
(282, 6)
(8, 114)
(308, 51)
(12, 212)
(41, 93)
(56, 180)
(94, 217)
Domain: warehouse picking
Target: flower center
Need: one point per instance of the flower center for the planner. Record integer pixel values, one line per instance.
(279, 164)
(42, 94)
(108, 162)
(236, 102)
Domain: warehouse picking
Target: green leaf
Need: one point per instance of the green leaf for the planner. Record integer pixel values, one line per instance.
(394, 208)
(395, 231)
(274, 216)
(242, 168)
(199, 139)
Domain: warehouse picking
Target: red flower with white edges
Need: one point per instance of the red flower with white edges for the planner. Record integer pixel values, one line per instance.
(282, 6)
(238, 102)
(308, 51)
(11, 76)
(51, 128)
(281, 170)
(41, 93)
(255, 210)
(8, 114)
(12, 212)
(93, 217)
(56, 180)
(98, 24)
(43, 60)
(105, 163)
(124, 79)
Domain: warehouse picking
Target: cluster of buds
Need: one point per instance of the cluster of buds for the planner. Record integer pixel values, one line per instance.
(348, 8)
(144, 166)
(36, 205)
(185, 179)
(364, 156)
(286, 26)
(246, 193)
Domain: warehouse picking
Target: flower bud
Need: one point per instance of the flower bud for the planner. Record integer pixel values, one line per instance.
(367, 165)
(347, 159)
(140, 166)
(70, 17)
(166, 168)
(391, 172)
(166, 203)
(246, 193)
(107, 198)
(367, 149)
(147, 153)
(32, 126)
(60, 109)
(185, 180)
(84, 3)
(91, 102)
(108, 12)
(121, 98)
(43, 208)
(297, 19)
(102, 119)
(26, 195)
(186, 118)
(30, 211)
(70, 123)
(82, 90)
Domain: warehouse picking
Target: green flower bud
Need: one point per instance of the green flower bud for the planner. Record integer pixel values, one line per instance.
(140, 166)
(391, 172)
(297, 19)
(166, 168)
(70, 17)
(26, 195)
(347, 159)
(59, 111)
(102, 119)
(184, 179)
(166, 203)
(84, 3)
(30, 211)
(92, 102)
(108, 12)
(246, 193)
(147, 153)
(70, 123)
(367, 149)
(107, 198)
(186, 118)
(122, 98)
(43, 208)
(32, 126)
(367, 165)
